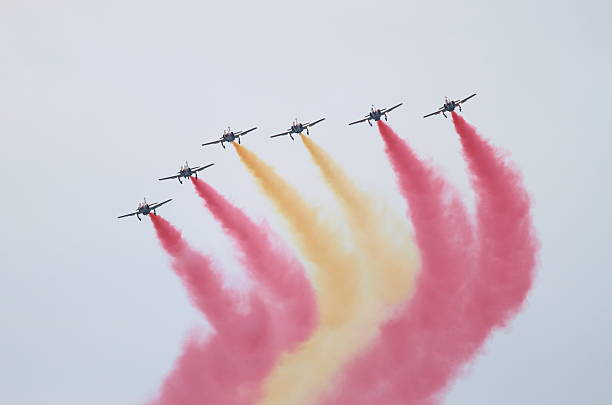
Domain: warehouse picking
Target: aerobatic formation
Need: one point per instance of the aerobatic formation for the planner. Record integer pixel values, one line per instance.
(390, 316)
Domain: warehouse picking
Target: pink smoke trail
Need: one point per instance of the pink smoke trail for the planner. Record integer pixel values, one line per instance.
(201, 280)
(271, 265)
(409, 359)
(457, 303)
(508, 244)
(228, 367)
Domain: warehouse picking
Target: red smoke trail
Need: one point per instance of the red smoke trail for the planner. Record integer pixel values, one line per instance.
(459, 298)
(507, 239)
(272, 266)
(199, 277)
(218, 372)
(229, 367)
(415, 350)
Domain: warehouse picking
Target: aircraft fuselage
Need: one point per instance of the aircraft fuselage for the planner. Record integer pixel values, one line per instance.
(186, 172)
(144, 209)
(376, 115)
(230, 137)
(297, 129)
(450, 106)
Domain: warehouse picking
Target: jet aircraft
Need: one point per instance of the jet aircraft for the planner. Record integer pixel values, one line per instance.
(297, 128)
(144, 208)
(376, 114)
(186, 172)
(230, 136)
(449, 105)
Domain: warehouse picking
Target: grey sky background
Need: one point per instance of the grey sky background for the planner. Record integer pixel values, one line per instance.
(99, 99)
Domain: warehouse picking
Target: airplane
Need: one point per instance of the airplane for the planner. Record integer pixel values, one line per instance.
(297, 128)
(449, 105)
(144, 208)
(186, 172)
(230, 136)
(376, 114)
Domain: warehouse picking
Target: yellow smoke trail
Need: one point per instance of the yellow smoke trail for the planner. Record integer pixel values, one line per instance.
(384, 239)
(347, 321)
(336, 280)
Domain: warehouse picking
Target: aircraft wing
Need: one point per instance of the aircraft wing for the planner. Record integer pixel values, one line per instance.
(127, 215)
(281, 134)
(313, 123)
(197, 169)
(212, 143)
(392, 108)
(466, 99)
(433, 113)
(246, 132)
(157, 205)
(357, 122)
(170, 177)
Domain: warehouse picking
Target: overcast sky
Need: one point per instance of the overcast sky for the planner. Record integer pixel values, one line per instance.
(100, 98)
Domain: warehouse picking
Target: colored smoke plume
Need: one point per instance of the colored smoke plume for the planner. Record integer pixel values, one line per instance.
(229, 366)
(508, 243)
(201, 279)
(474, 278)
(270, 264)
(336, 276)
(384, 240)
(467, 287)
(407, 362)
(346, 324)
